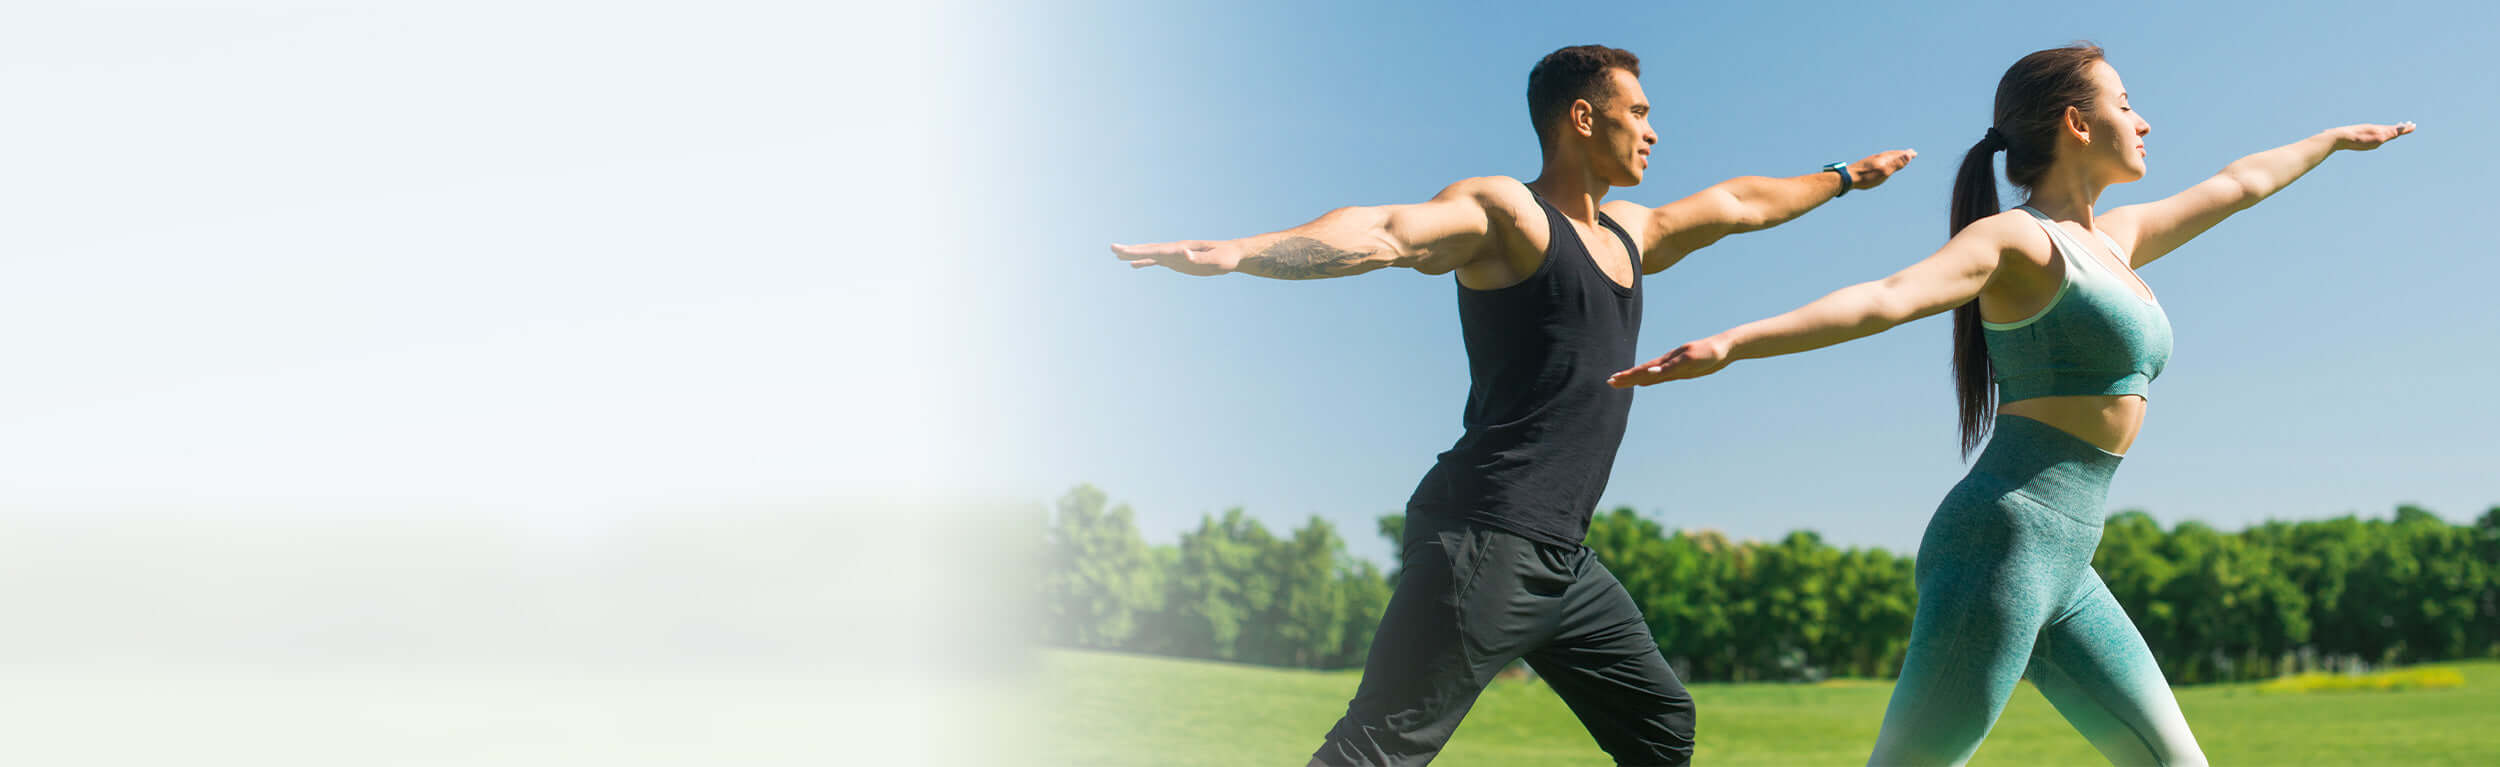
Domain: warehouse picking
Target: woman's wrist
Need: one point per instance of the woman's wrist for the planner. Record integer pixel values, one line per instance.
(1732, 342)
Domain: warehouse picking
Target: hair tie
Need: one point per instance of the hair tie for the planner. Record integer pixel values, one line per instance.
(1995, 138)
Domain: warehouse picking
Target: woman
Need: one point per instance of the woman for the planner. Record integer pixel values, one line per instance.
(2069, 337)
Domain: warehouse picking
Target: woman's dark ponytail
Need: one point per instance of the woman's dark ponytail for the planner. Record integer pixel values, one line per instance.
(2030, 109)
(1974, 380)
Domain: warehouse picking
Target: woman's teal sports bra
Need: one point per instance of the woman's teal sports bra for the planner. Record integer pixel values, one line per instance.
(2097, 336)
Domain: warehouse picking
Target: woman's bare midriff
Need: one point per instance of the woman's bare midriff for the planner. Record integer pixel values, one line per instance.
(2109, 422)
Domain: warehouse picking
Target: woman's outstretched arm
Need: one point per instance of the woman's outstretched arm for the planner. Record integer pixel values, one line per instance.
(2151, 230)
(1953, 276)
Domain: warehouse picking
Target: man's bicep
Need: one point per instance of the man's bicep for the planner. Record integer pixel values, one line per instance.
(1450, 229)
(1678, 228)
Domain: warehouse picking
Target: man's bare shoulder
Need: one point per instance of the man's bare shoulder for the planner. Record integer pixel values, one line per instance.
(1501, 196)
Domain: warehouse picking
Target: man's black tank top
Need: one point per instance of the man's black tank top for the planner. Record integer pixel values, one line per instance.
(1542, 425)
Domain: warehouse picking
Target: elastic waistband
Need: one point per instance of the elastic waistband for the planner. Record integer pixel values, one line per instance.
(1423, 521)
(2048, 464)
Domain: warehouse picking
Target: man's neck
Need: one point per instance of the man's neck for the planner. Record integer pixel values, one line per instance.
(1571, 188)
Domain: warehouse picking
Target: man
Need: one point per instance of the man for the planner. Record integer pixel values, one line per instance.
(1549, 297)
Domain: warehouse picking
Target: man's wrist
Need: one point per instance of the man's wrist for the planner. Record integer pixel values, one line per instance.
(1846, 180)
(1226, 255)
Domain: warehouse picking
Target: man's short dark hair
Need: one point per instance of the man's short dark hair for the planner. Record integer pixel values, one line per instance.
(1570, 74)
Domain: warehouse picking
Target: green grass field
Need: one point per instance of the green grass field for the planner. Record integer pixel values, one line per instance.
(1108, 709)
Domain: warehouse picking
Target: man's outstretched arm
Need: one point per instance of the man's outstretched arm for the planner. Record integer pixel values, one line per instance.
(1669, 232)
(1432, 237)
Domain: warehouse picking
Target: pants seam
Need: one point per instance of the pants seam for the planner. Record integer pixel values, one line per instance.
(2054, 509)
(1479, 549)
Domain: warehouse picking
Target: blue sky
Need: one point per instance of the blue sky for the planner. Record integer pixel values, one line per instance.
(2333, 344)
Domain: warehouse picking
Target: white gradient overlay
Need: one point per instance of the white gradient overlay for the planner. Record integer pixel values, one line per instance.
(515, 383)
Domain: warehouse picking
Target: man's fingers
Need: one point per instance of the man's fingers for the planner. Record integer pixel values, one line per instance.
(1880, 166)
(1149, 251)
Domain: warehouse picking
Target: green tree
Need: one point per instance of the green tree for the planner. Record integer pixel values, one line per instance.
(2486, 639)
(2443, 615)
(1304, 622)
(1366, 596)
(1101, 583)
(2272, 598)
(2326, 553)
(1874, 598)
(1789, 612)
(1216, 586)
(1703, 615)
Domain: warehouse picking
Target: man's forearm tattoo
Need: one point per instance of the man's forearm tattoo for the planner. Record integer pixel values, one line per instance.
(1301, 258)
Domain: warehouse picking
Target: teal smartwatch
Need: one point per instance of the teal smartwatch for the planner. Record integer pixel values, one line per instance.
(1846, 181)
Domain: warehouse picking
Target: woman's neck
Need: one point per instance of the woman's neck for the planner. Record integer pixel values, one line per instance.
(2066, 194)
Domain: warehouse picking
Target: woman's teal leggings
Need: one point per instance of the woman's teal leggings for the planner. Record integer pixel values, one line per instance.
(2005, 588)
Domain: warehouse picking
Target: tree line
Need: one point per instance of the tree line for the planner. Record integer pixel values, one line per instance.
(2276, 598)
